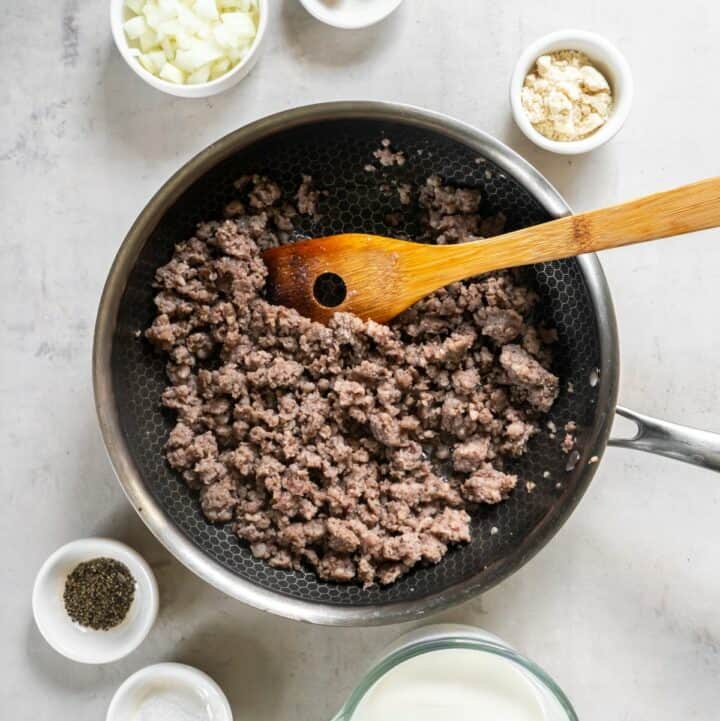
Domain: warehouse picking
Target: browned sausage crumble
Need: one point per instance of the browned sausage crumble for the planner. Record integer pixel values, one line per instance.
(356, 448)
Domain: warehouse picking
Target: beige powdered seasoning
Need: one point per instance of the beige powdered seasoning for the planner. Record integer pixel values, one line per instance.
(565, 97)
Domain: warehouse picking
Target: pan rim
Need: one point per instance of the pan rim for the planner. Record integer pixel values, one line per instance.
(127, 472)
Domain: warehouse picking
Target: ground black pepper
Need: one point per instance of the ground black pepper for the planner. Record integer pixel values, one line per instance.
(98, 593)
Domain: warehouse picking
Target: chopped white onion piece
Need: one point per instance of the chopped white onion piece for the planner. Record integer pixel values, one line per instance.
(157, 58)
(148, 40)
(201, 75)
(237, 54)
(198, 55)
(135, 27)
(171, 73)
(206, 9)
(153, 16)
(169, 7)
(190, 41)
(220, 68)
(148, 64)
(242, 5)
(240, 24)
(225, 38)
(170, 28)
(186, 41)
(189, 20)
(175, 31)
(168, 48)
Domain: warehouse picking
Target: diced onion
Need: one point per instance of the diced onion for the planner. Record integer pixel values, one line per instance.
(190, 41)
(206, 9)
(156, 59)
(225, 38)
(201, 75)
(154, 15)
(168, 47)
(135, 27)
(240, 24)
(189, 20)
(173, 74)
(199, 54)
(148, 64)
(148, 41)
(169, 7)
(236, 55)
(220, 68)
(243, 5)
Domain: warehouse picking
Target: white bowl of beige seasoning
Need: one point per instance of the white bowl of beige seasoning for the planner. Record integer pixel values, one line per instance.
(571, 91)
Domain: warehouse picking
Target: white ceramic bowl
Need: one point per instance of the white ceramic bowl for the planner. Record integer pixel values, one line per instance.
(74, 641)
(183, 680)
(608, 59)
(119, 14)
(350, 14)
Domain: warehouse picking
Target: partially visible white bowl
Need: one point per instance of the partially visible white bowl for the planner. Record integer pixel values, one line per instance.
(77, 642)
(606, 57)
(350, 14)
(119, 14)
(168, 676)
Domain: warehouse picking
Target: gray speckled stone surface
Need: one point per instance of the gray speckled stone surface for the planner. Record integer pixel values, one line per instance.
(621, 608)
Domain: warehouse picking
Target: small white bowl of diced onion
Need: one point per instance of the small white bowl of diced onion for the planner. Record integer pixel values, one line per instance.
(189, 48)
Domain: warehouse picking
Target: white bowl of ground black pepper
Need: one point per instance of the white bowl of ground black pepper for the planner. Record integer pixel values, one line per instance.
(95, 600)
(571, 92)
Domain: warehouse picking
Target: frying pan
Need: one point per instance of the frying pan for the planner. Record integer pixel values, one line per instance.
(333, 142)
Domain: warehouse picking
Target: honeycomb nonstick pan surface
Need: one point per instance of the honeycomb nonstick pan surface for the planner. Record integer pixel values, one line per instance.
(335, 152)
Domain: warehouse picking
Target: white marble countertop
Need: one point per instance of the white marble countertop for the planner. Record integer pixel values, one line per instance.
(622, 607)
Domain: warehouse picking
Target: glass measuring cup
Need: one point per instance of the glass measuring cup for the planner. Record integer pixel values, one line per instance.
(548, 701)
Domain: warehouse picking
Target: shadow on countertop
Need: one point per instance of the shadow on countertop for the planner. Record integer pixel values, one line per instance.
(242, 666)
(568, 173)
(157, 131)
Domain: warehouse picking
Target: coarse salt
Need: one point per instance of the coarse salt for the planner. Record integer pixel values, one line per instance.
(167, 704)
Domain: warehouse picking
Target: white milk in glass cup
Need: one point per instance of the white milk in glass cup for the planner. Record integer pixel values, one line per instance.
(455, 673)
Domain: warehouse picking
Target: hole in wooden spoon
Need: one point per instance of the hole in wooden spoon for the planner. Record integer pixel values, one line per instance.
(329, 290)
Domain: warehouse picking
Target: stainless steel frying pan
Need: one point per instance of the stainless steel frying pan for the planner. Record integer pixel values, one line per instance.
(333, 142)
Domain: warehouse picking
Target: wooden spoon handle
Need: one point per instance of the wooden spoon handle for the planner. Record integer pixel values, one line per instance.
(673, 212)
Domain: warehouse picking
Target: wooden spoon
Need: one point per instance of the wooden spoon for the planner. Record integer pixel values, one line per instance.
(377, 278)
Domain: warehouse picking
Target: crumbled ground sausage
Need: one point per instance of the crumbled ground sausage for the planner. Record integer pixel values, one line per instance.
(355, 448)
(568, 442)
(307, 197)
(387, 157)
(405, 193)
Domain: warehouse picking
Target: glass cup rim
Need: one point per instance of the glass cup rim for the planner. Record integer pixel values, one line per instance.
(454, 641)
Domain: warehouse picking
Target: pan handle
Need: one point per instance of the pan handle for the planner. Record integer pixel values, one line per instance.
(683, 443)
